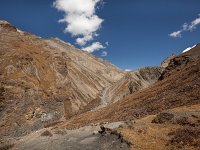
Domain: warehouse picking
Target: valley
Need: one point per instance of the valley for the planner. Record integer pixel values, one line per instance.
(55, 96)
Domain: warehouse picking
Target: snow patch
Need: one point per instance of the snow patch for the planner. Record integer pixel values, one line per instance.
(21, 32)
(189, 48)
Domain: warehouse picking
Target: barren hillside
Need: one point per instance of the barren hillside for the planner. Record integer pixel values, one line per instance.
(46, 77)
(134, 81)
(178, 86)
(53, 96)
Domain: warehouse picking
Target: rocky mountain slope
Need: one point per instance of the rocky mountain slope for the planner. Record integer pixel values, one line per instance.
(48, 88)
(134, 81)
(46, 79)
(163, 116)
(178, 86)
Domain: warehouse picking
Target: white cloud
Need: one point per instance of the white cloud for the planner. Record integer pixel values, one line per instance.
(82, 41)
(80, 18)
(104, 53)
(94, 47)
(194, 24)
(176, 34)
(187, 49)
(186, 27)
(107, 43)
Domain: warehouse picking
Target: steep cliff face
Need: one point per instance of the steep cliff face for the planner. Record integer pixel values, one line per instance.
(43, 80)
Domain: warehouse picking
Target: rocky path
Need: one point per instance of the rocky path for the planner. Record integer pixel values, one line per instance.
(85, 138)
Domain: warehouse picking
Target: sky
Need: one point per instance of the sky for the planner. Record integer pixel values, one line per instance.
(129, 33)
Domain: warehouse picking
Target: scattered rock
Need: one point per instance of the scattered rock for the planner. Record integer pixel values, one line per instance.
(107, 131)
(163, 118)
(95, 132)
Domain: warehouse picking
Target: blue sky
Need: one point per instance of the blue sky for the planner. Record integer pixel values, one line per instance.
(137, 30)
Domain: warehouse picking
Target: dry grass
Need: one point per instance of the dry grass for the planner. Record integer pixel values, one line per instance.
(179, 89)
(186, 136)
(145, 135)
(7, 146)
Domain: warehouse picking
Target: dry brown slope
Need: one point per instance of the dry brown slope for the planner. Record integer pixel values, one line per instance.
(179, 88)
(134, 81)
(177, 128)
(45, 76)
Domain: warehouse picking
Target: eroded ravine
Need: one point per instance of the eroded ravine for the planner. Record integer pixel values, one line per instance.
(104, 99)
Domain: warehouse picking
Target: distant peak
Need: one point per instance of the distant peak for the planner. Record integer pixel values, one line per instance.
(4, 22)
(6, 25)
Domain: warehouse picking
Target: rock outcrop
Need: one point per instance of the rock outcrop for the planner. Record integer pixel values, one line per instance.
(177, 63)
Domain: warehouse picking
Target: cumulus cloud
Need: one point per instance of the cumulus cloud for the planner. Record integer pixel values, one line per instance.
(82, 41)
(176, 34)
(104, 53)
(94, 47)
(186, 27)
(80, 18)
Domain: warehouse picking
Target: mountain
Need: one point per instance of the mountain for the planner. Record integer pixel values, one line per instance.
(55, 96)
(132, 82)
(177, 86)
(49, 77)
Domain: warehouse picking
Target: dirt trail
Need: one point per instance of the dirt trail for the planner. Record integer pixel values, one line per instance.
(79, 139)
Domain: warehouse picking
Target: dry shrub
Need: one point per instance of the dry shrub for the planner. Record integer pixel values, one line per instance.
(189, 136)
(7, 147)
(46, 133)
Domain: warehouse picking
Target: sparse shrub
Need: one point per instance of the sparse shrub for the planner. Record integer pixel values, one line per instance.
(46, 133)
(61, 132)
(189, 136)
(7, 147)
(130, 87)
(163, 118)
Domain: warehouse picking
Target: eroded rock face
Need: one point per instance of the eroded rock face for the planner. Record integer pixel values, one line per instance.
(166, 62)
(177, 63)
(133, 82)
(38, 76)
